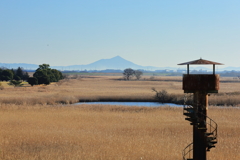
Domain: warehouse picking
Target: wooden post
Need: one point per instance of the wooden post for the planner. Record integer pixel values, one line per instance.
(213, 68)
(200, 128)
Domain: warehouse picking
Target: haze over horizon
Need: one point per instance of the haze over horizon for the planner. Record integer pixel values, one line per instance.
(147, 33)
(117, 63)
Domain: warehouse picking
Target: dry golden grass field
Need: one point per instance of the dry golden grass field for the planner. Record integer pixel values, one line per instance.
(34, 126)
(105, 87)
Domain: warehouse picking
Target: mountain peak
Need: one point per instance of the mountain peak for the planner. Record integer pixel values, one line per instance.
(117, 57)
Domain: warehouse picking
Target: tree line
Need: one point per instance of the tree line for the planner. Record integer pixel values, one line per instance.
(43, 75)
(11, 74)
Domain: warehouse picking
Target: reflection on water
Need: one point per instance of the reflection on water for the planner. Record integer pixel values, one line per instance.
(142, 104)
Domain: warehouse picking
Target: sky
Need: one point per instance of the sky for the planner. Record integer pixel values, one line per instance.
(150, 33)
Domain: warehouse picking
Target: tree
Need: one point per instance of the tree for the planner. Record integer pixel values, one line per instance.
(19, 72)
(46, 75)
(58, 75)
(32, 81)
(128, 73)
(6, 75)
(17, 78)
(44, 66)
(41, 76)
(138, 74)
(25, 76)
(1, 70)
(44, 80)
(51, 76)
(15, 83)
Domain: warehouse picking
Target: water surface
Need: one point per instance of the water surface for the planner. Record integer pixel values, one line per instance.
(140, 104)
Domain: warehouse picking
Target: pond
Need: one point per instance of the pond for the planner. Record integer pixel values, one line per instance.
(140, 104)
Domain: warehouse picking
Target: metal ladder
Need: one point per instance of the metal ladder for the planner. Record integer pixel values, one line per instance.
(211, 130)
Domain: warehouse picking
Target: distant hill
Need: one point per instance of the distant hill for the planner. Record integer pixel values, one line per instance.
(16, 65)
(231, 68)
(102, 64)
(112, 63)
(115, 63)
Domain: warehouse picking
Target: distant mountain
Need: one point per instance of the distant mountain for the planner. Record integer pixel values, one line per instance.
(102, 64)
(112, 63)
(230, 68)
(16, 65)
(115, 63)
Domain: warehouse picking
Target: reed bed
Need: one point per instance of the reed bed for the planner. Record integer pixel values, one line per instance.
(37, 123)
(109, 88)
(108, 132)
(84, 89)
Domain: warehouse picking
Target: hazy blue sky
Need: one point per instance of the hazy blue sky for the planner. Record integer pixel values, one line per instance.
(155, 32)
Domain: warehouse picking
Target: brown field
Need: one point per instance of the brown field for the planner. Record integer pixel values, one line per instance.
(108, 88)
(35, 126)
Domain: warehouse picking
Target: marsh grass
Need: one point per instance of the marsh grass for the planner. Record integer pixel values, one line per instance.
(104, 88)
(34, 124)
(108, 132)
(84, 89)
